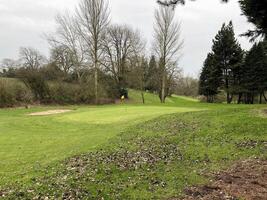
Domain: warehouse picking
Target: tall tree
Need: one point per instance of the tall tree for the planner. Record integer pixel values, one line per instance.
(152, 80)
(68, 49)
(120, 46)
(228, 56)
(63, 58)
(254, 80)
(138, 75)
(167, 45)
(256, 12)
(93, 19)
(31, 58)
(210, 79)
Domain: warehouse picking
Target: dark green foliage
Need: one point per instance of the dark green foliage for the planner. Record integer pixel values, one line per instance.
(254, 74)
(228, 57)
(222, 68)
(152, 77)
(210, 79)
(256, 12)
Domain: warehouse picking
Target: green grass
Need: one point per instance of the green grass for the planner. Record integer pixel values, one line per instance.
(135, 97)
(30, 143)
(115, 147)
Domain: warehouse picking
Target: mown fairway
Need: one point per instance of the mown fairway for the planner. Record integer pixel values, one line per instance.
(140, 151)
(29, 143)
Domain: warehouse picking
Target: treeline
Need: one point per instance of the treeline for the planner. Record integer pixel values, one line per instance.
(93, 60)
(240, 75)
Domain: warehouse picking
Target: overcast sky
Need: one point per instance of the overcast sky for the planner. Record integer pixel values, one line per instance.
(23, 22)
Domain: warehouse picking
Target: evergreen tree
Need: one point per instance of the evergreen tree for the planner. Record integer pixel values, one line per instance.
(254, 79)
(152, 80)
(256, 12)
(228, 57)
(209, 79)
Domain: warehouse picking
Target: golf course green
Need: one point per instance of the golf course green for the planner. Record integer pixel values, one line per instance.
(43, 147)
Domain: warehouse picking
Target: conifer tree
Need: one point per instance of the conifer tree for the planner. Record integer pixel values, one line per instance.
(209, 79)
(152, 80)
(254, 80)
(256, 12)
(228, 57)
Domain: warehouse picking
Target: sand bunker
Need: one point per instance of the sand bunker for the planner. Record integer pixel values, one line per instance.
(49, 112)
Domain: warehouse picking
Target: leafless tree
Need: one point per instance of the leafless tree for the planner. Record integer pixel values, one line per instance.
(31, 58)
(68, 49)
(121, 45)
(187, 86)
(63, 58)
(167, 45)
(8, 63)
(93, 19)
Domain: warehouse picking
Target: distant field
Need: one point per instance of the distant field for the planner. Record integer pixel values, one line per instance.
(150, 151)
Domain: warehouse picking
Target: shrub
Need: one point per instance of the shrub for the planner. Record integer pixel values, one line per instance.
(35, 81)
(69, 93)
(13, 92)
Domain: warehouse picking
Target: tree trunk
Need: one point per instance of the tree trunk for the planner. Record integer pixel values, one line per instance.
(163, 88)
(261, 98)
(79, 77)
(239, 98)
(96, 84)
(264, 97)
(252, 99)
(143, 97)
(228, 98)
(227, 87)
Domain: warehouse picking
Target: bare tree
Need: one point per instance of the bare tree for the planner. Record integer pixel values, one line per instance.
(93, 19)
(167, 45)
(121, 45)
(63, 58)
(31, 58)
(68, 49)
(8, 63)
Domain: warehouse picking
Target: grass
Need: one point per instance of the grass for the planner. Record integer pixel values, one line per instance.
(129, 151)
(30, 143)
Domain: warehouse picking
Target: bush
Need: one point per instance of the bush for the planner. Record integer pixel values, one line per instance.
(14, 92)
(36, 82)
(69, 93)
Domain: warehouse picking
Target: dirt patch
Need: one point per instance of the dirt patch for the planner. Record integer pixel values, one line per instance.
(245, 180)
(251, 144)
(49, 112)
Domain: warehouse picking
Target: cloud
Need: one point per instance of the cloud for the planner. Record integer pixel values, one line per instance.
(23, 22)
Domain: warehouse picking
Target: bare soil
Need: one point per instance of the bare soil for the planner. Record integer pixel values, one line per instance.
(49, 112)
(246, 180)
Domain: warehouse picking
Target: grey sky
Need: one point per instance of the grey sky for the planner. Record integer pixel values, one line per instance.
(23, 22)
